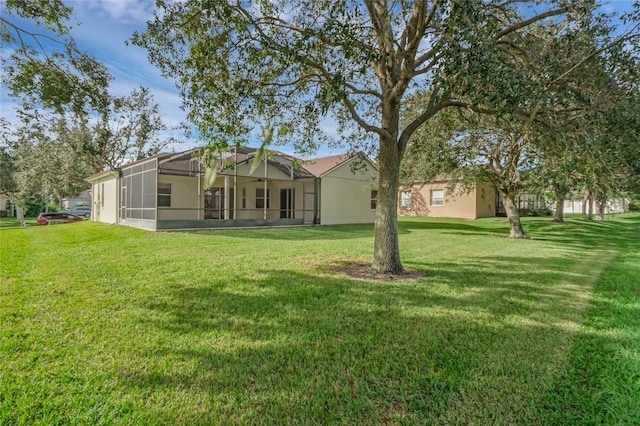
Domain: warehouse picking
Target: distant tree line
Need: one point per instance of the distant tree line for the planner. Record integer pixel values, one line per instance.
(69, 124)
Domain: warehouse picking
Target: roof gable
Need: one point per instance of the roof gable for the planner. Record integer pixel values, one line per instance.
(320, 166)
(324, 165)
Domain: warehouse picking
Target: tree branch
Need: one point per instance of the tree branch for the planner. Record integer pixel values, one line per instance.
(530, 21)
(366, 126)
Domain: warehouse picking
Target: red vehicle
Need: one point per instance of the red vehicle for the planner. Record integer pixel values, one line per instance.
(55, 218)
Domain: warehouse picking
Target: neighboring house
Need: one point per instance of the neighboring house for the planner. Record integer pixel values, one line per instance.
(83, 199)
(436, 199)
(617, 205)
(167, 191)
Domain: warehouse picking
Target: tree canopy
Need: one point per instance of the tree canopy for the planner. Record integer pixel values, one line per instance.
(72, 125)
(249, 65)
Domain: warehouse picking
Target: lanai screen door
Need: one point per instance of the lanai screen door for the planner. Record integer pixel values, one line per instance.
(287, 203)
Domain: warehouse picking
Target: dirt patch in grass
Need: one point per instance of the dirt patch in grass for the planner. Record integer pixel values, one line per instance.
(363, 271)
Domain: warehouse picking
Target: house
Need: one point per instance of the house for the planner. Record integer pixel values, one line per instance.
(581, 205)
(437, 199)
(84, 199)
(168, 191)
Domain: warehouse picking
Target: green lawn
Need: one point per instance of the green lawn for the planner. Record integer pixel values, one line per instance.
(12, 222)
(103, 324)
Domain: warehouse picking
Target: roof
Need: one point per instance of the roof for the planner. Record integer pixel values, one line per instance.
(102, 174)
(181, 163)
(320, 166)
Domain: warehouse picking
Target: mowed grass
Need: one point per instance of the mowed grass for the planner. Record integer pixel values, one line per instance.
(104, 324)
(12, 222)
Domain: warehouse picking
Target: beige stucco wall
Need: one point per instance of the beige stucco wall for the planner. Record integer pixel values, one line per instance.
(272, 173)
(3, 201)
(105, 202)
(345, 195)
(185, 198)
(485, 200)
(458, 202)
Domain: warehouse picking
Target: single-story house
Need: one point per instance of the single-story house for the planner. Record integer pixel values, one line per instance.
(437, 199)
(576, 205)
(84, 199)
(168, 191)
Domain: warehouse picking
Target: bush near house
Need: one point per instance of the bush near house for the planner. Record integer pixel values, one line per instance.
(111, 324)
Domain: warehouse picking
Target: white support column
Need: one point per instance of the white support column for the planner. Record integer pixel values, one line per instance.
(292, 202)
(266, 187)
(235, 182)
(200, 203)
(226, 197)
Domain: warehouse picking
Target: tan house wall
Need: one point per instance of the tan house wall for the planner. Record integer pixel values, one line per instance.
(105, 202)
(185, 200)
(458, 202)
(272, 173)
(3, 201)
(345, 195)
(485, 200)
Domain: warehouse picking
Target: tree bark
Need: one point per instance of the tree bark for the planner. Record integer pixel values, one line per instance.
(559, 214)
(386, 255)
(590, 204)
(601, 205)
(515, 226)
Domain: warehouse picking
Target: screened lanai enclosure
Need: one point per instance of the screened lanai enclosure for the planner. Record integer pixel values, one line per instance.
(169, 191)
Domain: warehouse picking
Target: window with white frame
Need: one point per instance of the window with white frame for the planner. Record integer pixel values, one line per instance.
(405, 199)
(437, 197)
(374, 199)
(164, 195)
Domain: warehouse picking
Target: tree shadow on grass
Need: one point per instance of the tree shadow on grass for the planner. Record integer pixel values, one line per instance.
(583, 233)
(601, 383)
(574, 233)
(313, 347)
(352, 231)
(332, 232)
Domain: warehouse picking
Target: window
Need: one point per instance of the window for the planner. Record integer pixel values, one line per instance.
(244, 197)
(260, 199)
(405, 199)
(437, 197)
(164, 195)
(374, 199)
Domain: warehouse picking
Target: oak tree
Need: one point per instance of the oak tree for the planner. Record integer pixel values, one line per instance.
(287, 65)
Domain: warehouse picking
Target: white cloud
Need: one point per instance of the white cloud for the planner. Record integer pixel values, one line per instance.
(120, 11)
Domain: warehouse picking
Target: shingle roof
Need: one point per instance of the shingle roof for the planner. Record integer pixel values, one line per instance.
(320, 166)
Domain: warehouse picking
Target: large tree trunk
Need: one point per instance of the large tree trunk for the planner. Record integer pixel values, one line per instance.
(590, 204)
(386, 255)
(559, 214)
(601, 206)
(515, 226)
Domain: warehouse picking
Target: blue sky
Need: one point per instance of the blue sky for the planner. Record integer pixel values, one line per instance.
(101, 27)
